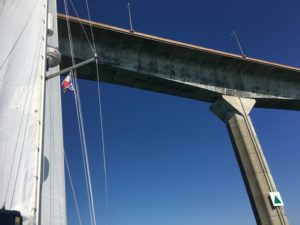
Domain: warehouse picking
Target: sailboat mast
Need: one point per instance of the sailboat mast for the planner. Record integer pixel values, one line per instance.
(40, 150)
(51, 192)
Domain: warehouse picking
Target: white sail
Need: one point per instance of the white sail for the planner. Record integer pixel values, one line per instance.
(22, 43)
(22, 66)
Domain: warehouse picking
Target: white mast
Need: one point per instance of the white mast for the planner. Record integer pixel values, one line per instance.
(53, 202)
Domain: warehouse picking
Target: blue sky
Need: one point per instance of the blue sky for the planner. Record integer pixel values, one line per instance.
(170, 160)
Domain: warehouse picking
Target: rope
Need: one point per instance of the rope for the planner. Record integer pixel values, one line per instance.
(73, 190)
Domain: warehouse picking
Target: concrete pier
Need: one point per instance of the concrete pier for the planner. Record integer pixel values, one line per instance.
(234, 111)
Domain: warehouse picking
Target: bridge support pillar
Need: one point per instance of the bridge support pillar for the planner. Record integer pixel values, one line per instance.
(234, 111)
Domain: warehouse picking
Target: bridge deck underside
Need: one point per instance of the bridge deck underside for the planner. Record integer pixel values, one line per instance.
(156, 64)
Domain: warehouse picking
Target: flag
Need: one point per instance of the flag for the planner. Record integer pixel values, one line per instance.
(67, 83)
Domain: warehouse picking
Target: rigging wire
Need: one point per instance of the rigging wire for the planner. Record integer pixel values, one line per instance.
(81, 127)
(91, 28)
(103, 143)
(82, 27)
(77, 111)
(83, 156)
(72, 187)
(78, 106)
(99, 103)
(100, 115)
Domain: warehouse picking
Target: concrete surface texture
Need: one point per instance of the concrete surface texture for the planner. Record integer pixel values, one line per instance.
(234, 111)
(156, 64)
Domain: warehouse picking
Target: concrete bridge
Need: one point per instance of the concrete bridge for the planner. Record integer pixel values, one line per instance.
(232, 83)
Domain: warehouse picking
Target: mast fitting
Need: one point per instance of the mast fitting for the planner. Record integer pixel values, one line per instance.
(53, 57)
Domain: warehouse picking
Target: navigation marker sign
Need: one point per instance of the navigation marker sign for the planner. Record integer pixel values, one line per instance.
(276, 199)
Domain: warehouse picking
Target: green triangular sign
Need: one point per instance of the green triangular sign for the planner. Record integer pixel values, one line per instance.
(276, 200)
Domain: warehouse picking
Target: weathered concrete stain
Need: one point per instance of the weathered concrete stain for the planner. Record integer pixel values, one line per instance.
(156, 64)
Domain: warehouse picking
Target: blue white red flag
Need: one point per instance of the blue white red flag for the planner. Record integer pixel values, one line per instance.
(67, 83)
